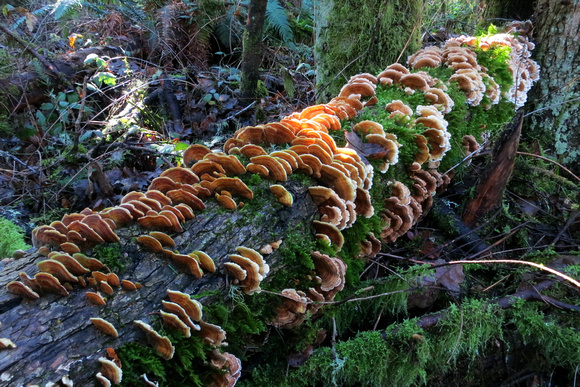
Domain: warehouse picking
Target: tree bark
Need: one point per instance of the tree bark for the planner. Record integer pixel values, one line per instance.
(555, 98)
(489, 192)
(252, 54)
(53, 334)
(357, 36)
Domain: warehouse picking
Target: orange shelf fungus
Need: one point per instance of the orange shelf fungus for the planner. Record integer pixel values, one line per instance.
(161, 344)
(104, 326)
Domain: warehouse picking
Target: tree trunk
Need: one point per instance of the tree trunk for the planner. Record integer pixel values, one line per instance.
(557, 27)
(53, 334)
(252, 54)
(357, 36)
(494, 11)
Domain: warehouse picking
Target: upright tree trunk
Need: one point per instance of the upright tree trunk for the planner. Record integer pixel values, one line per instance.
(496, 10)
(252, 54)
(557, 35)
(355, 36)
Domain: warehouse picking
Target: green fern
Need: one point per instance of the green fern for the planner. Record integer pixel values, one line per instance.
(63, 8)
(277, 19)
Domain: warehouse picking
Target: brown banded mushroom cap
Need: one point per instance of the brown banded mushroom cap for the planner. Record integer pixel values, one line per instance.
(163, 238)
(158, 196)
(226, 202)
(251, 150)
(177, 310)
(368, 127)
(86, 231)
(162, 184)
(174, 219)
(185, 210)
(101, 227)
(46, 235)
(193, 153)
(111, 371)
(365, 89)
(69, 247)
(69, 218)
(135, 213)
(155, 222)
(179, 196)
(20, 289)
(133, 195)
(154, 205)
(282, 195)
(192, 307)
(251, 134)
(71, 264)
(236, 270)
(187, 264)
(338, 181)
(57, 269)
(230, 164)
(181, 175)
(95, 298)
(104, 381)
(329, 270)
(233, 185)
(331, 231)
(89, 263)
(161, 344)
(150, 243)
(278, 133)
(255, 257)
(176, 323)
(204, 260)
(113, 280)
(49, 283)
(104, 326)
(128, 285)
(251, 283)
(106, 288)
(175, 211)
(313, 163)
(207, 167)
(415, 81)
(276, 170)
(212, 334)
(120, 215)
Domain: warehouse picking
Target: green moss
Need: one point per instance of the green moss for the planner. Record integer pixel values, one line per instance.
(110, 254)
(12, 238)
(137, 360)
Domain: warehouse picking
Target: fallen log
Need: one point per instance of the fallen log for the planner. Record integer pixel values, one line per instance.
(54, 336)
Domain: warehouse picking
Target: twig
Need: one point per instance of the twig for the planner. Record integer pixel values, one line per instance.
(551, 161)
(516, 262)
(571, 220)
(240, 112)
(45, 62)
(408, 40)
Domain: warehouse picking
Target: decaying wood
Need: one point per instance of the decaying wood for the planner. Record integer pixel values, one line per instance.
(53, 334)
(490, 191)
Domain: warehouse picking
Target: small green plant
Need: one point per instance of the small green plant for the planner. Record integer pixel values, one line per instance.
(12, 238)
(110, 254)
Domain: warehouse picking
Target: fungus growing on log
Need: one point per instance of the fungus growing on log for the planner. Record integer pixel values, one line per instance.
(161, 344)
(104, 326)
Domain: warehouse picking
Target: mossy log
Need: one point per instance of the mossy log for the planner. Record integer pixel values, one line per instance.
(54, 336)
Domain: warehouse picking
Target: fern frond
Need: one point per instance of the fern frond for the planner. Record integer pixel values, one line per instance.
(277, 19)
(65, 7)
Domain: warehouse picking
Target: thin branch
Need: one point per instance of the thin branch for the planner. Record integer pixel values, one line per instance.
(551, 161)
(526, 263)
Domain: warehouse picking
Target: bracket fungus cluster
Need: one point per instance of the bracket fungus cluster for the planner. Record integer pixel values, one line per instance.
(305, 142)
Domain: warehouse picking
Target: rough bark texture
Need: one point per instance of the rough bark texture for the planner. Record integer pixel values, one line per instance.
(357, 36)
(252, 55)
(490, 191)
(557, 35)
(54, 335)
